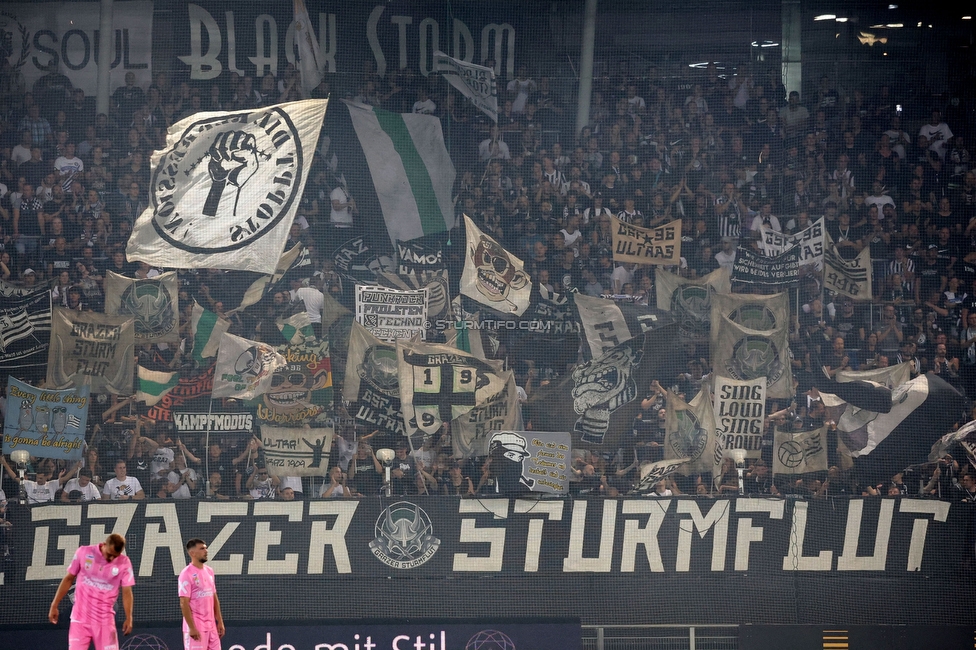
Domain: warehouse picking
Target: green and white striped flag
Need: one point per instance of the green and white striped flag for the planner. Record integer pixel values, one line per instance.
(296, 328)
(153, 384)
(207, 328)
(411, 170)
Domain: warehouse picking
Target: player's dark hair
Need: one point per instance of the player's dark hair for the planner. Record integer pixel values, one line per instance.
(194, 543)
(116, 541)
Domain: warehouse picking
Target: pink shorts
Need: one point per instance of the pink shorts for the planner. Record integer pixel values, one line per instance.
(81, 635)
(209, 640)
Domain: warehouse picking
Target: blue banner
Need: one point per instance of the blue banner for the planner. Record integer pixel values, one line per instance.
(47, 423)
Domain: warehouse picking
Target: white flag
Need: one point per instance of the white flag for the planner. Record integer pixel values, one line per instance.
(800, 452)
(475, 82)
(244, 367)
(310, 62)
(492, 276)
(226, 188)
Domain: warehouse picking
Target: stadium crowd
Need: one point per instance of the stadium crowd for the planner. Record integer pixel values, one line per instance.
(726, 153)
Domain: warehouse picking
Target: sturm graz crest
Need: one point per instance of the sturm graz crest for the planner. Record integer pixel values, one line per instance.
(379, 370)
(149, 302)
(755, 316)
(404, 536)
(754, 357)
(250, 166)
(691, 306)
(688, 441)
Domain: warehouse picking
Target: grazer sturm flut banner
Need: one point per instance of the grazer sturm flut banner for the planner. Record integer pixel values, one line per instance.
(608, 323)
(745, 354)
(501, 411)
(492, 276)
(689, 432)
(780, 271)
(476, 82)
(39, 37)
(371, 384)
(391, 314)
(809, 241)
(740, 408)
(848, 277)
(152, 302)
(659, 245)
(296, 452)
(800, 452)
(25, 329)
(92, 349)
(47, 423)
(439, 383)
(690, 301)
(226, 187)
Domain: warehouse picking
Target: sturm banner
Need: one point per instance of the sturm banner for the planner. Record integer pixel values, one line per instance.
(660, 245)
(528, 547)
(63, 37)
(391, 314)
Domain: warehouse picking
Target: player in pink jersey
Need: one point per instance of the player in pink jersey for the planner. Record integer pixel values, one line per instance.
(203, 625)
(100, 570)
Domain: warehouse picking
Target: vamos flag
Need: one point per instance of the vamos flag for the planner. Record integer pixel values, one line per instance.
(151, 302)
(409, 174)
(226, 187)
(492, 276)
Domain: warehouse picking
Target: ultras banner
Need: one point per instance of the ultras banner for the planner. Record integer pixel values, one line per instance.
(529, 547)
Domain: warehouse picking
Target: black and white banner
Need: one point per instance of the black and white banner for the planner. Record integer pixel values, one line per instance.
(92, 349)
(744, 354)
(421, 254)
(809, 242)
(848, 277)
(390, 314)
(371, 384)
(660, 245)
(476, 82)
(690, 301)
(608, 323)
(152, 302)
(25, 329)
(530, 461)
(740, 408)
(296, 452)
(800, 452)
(753, 268)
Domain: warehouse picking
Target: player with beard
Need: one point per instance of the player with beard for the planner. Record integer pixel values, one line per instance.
(203, 624)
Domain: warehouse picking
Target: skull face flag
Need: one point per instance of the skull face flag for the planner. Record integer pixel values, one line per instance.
(492, 276)
(225, 189)
(606, 392)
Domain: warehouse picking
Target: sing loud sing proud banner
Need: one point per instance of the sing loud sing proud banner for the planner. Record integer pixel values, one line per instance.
(740, 408)
(661, 245)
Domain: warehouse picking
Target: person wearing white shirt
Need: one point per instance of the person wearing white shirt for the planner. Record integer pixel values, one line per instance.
(181, 482)
(493, 148)
(21, 153)
(424, 104)
(123, 487)
(83, 486)
(766, 218)
(937, 133)
(313, 299)
(69, 164)
(343, 208)
(41, 490)
(726, 256)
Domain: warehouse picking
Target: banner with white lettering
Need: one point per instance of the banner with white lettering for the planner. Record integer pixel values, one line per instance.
(746, 354)
(780, 271)
(296, 452)
(476, 82)
(53, 43)
(25, 329)
(608, 323)
(152, 302)
(421, 254)
(689, 432)
(439, 383)
(436, 283)
(659, 245)
(800, 452)
(652, 473)
(501, 411)
(740, 408)
(47, 423)
(301, 389)
(360, 260)
(690, 301)
(217, 420)
(391, 314)
(809, 241)
(226, 188)
(371, 384)
(530, 461)
(848, 277)
(92, 349)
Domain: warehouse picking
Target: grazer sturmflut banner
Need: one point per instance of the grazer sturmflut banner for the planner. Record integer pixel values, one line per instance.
(910, 549)
(92, 349)
(226, 188)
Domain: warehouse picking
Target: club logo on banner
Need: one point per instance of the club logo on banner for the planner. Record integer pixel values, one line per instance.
(501, 411)
(245, 368)
(371, 382)
(690, 301)
(25, 329)
(809, 241)
(848, 277)
(356, 260)
(48, 424)
(404, 536)
(492, 276)
(226, 187)
(439, 384)
(780, 271)
(746, 354)
(152, 303)
(740, 408)
(660, 245)
(391, 314)
(296, 452)
(93, 349)
(301, 389)
(689, 431)
(799, 452)
(530, 461)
